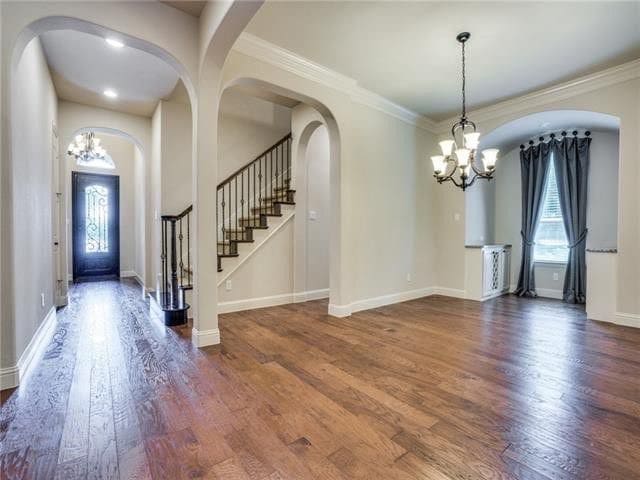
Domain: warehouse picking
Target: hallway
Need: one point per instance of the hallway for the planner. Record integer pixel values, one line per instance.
(435, 388)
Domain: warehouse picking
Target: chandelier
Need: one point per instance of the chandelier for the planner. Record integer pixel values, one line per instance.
(88, 152)
(459, 155)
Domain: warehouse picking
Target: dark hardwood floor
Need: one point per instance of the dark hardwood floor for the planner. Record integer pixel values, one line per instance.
(435, 388)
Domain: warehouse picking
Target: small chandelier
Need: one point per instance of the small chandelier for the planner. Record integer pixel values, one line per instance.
(458, 157)
(88, 152)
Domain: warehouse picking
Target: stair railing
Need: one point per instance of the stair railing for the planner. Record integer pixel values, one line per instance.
(177, 271)
(246, 196)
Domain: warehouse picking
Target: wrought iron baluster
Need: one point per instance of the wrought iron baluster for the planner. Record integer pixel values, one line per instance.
(181, 262)
(189, 268)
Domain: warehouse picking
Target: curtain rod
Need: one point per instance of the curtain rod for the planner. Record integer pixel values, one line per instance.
(553, 135)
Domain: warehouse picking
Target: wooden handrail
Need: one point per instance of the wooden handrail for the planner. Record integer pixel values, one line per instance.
(272, 147)
(179, 216)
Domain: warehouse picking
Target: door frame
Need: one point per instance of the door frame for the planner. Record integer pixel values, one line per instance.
(75, 175)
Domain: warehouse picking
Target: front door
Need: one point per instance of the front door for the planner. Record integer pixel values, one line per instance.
(96, 229)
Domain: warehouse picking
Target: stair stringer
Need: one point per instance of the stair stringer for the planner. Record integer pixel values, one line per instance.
(260, 237)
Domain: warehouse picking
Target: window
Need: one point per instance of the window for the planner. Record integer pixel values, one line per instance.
(551, 239)
(97, 219)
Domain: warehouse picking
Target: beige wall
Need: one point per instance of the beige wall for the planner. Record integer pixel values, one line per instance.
(171, 178)
(32, 190)
(316, 217)
(122, 152)
(248, 126)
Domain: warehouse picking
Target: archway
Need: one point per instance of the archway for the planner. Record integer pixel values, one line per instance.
(493, 209)
(52, 196)
(310, 115)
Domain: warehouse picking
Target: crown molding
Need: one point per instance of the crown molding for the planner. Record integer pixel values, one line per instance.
(265, 51)
(587, 83)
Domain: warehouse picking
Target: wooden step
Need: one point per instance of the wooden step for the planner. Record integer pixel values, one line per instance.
(228, 247)
(267, 209)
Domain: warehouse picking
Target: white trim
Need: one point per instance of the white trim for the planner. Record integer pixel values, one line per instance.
(205, 338)
(12, 376)
(587, 83)
(252, 303)
(310, 295)
(289, 61)
(339, 311)
(392, 298)
(132, 274)
(627, 319)
(9, 377)
(226, 273)
(450, 292)
(549, 293)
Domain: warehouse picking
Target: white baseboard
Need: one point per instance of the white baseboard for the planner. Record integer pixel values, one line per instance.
(310, 295)
(449, 292)
(339, 311)
(252, 303)
(271, 301)
(9, 377)
(627, 319)
(549, 293)
(132, 274)
(12, 376)
(205, 338)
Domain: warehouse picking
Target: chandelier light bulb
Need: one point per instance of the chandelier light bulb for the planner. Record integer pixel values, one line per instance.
(447, 147)
(489, 158)
(471, 140)
(439, 165)
(462, 154)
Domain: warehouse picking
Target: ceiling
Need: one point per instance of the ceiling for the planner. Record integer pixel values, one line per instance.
(192, 8)
(407, 52)
(84, 65)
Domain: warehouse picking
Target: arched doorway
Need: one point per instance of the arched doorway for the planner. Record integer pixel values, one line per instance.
(308, 116)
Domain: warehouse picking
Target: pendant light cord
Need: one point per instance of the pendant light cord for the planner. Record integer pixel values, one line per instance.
(464, 83)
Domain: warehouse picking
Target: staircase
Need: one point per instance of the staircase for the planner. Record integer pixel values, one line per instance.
(250, 196)
(245, 201)
(176, 268)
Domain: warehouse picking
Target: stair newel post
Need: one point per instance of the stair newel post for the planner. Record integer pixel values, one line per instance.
(174, 266)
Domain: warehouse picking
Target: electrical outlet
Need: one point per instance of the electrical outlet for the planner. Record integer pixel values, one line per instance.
(228, 285)
(42, 300)
(409, 277)
(456, 217)
(555, 276)
(313, 215)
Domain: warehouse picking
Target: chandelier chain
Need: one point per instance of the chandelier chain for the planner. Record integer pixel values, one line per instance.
(464, 83)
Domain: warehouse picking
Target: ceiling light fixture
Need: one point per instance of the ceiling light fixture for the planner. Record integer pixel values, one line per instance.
(110, 93)
(464, 145)
(88, 152)
(114, 42)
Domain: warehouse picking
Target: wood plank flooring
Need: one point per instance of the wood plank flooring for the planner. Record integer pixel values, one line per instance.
(436, 388)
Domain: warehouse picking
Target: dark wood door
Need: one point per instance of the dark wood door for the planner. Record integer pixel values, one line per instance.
(96, 226)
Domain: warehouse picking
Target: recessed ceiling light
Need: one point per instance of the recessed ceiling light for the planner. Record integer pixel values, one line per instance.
(110, 93)
(114, 43)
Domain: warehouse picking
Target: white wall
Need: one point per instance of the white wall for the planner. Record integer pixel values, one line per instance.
(248, 126)
(122, 152)
(35, 113)
(602, 208)
(137, 129)
(318, 202)
(171, 181)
